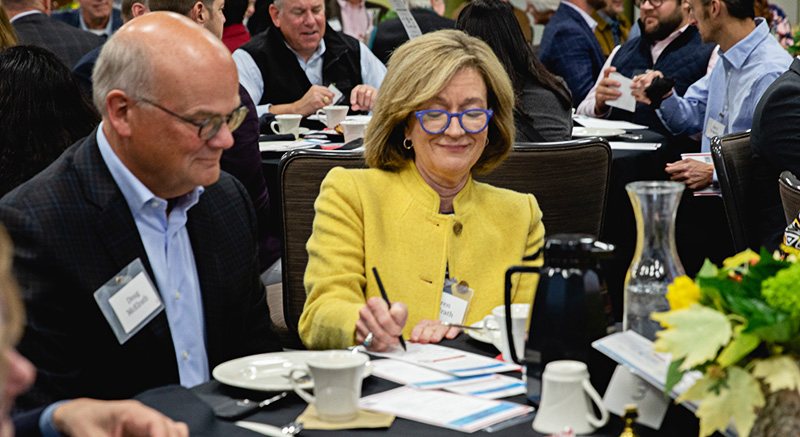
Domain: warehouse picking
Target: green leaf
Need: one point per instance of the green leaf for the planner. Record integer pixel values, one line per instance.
(736, 398)
(763, 320)
(674, 375)
(695, 333)
(709, 270)
(779, 372)
(741, 345)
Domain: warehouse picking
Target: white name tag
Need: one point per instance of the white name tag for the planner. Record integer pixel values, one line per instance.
(627, 388)
(714, 128)
(135, 302)
(129, 301)
(453, 309)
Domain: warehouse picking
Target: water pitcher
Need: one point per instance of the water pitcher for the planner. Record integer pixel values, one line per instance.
(655, 261)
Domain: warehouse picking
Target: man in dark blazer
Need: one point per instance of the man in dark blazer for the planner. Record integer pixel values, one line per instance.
(33, 25)
(390, 34)
(569, 48)
(775, 139)
(146, 185)
(95, 16)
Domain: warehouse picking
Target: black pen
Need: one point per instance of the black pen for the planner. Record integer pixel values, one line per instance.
(386, 298)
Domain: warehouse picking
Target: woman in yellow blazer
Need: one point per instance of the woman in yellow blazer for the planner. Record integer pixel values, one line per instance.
(444, 111)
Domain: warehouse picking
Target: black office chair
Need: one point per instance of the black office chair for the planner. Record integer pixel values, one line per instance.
(733, 162)
(789, 187)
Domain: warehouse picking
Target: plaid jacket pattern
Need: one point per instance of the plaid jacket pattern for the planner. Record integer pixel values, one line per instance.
(67, 42)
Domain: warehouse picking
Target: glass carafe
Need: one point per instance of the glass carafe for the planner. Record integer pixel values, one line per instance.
(655, 262)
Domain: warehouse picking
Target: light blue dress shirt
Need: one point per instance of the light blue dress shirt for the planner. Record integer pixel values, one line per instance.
(107, 31)
(166, 241)
(372, 71)
(730, 93)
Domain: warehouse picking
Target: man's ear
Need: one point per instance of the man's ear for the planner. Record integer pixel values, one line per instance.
(199, 13)
(274, 13)
(47, 6)
(715, 8)
(118, 106)
(138, 9)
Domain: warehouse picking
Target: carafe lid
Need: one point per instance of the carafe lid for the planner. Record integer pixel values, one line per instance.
(575, 249)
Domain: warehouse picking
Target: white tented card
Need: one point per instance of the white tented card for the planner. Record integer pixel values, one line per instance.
(627, 388)
(129, 301)
(406, 19)
(626, 101)
(337, 95)
(714, 128)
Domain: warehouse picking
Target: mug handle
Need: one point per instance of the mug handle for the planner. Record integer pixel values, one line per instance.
(601, 422)
(272, 126)
(321, 115)
(302, 393)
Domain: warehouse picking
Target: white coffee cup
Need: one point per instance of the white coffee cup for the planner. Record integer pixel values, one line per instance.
(332, 115)
(286, 124)
(567, 397)
(496, 322)
(337, 379)
(353, 129)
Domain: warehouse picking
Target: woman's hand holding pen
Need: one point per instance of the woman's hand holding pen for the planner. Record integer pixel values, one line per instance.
(386, 324)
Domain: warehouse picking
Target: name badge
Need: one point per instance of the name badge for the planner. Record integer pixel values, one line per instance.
(129, 301)
(456, 298)
(714, 128)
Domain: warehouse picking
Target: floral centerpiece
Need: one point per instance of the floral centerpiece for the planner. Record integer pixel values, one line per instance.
(740, 326)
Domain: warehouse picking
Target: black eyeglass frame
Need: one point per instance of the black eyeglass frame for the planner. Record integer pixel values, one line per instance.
(215, 121)
(654, 3)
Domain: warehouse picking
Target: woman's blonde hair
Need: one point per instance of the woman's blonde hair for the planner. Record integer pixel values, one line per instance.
(417, 71)
(8, 37)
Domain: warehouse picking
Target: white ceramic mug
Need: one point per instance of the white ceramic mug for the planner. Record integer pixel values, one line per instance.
(496, 322)
(337, 379)
(567, 397)
(286, 124)
(332, 115)
(353, 129)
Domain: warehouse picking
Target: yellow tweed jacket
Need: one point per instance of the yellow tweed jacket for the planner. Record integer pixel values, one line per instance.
(390, 220)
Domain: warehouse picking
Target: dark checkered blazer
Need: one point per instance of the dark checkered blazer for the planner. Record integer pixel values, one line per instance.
(73, 231)
(67, 42)
(570, 49)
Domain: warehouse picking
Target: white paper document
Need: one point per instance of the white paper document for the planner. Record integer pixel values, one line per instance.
(626, 101)
(491, 386)
(607, 124)
(446, 359)
(626, 145)
(448, 410)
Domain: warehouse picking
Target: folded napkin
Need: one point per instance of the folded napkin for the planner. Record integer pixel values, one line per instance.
(365, 419)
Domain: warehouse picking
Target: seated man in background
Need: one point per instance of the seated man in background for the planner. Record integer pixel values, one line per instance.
(723, 101)
(669, 44)
(775, 139)
(33, 25)
(142, 197)
(287, 69)
(390, 34)
(96, 16)
(612, 25)
(569, 48)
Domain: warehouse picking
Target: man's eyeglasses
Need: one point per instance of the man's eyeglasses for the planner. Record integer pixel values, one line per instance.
(436, 121)
(209, 127)
(653, 3)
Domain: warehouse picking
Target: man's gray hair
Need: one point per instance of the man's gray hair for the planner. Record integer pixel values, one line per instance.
(124, 64)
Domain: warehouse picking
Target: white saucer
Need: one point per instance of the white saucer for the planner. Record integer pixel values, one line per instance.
(583, 132)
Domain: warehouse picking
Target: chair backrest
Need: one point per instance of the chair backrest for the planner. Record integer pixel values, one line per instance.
(789, 187)
(733, 162)
(301, 173)
(569, 179)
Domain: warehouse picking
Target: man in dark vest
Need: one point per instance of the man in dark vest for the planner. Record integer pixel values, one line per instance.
(668, 44)
(288, 68)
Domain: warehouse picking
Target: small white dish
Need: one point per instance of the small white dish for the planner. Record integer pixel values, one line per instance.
(583, 132)
(482, 335)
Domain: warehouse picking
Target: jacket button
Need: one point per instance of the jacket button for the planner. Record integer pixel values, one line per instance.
(457, 228)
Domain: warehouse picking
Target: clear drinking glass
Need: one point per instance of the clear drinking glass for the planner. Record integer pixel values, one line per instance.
(655, 262)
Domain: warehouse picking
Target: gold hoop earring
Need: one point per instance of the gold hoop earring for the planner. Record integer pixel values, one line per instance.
(406, 145)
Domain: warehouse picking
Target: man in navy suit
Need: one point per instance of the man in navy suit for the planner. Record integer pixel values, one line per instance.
(145, 189)
(569, 48)
(31, 22)
(95, 16)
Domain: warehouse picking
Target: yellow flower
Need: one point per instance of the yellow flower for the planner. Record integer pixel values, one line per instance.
(682, 293)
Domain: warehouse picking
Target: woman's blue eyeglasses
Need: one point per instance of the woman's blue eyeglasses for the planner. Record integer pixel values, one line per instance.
(436, 121)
